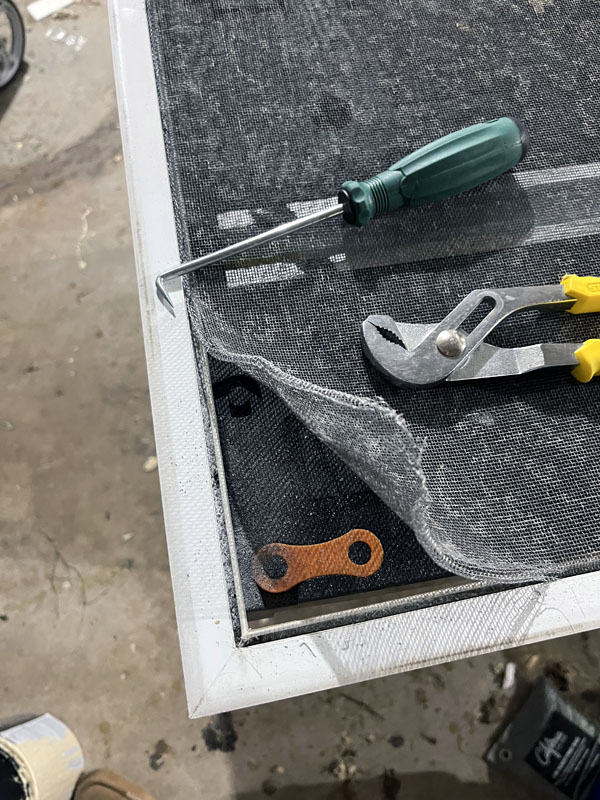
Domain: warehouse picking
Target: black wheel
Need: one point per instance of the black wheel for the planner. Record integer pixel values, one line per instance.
(12, 41)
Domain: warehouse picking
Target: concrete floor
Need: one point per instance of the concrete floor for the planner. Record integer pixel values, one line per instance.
(87, 627)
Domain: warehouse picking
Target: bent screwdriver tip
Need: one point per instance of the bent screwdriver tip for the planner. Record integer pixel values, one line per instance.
(240, 247)
(163, 295)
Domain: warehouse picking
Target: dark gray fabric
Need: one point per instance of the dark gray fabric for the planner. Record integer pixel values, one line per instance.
(284, 485)
(267, 103)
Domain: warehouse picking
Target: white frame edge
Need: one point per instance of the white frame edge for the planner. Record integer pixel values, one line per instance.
(220, 676)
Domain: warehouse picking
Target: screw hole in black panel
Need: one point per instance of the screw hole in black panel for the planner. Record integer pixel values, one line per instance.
(275, 567)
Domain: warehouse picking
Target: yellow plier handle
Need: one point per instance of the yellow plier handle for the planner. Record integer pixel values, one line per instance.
(586, 292)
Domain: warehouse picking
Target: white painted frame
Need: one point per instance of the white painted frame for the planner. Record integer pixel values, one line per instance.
(219, 675)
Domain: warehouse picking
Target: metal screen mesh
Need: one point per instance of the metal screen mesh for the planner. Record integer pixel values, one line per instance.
(268, 106)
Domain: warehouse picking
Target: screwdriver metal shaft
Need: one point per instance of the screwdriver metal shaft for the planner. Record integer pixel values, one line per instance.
(446, 167)
(240, 247)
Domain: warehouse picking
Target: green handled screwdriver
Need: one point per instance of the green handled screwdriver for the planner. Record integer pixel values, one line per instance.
(447, 167)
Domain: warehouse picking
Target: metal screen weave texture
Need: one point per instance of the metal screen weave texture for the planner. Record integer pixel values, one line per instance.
(268, 106)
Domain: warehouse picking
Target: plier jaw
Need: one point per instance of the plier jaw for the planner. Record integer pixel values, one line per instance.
(427, 355)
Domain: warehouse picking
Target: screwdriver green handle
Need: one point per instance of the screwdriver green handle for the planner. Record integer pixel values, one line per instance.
(451, 165)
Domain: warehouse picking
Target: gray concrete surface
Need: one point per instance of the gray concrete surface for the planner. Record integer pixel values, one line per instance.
(87, 628)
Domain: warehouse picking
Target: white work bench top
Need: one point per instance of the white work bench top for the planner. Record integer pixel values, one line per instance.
(223, 671)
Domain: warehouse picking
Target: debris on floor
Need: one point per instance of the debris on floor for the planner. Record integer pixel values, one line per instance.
(220, 734)
(532, 662)
(361, 704)
(560, 674)
(41, 9)
(396, 740)
(343, 768)
(509, 677)
(85, 229)
(488, 711)
(161, 748)
(150, 464)
(64, 37)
